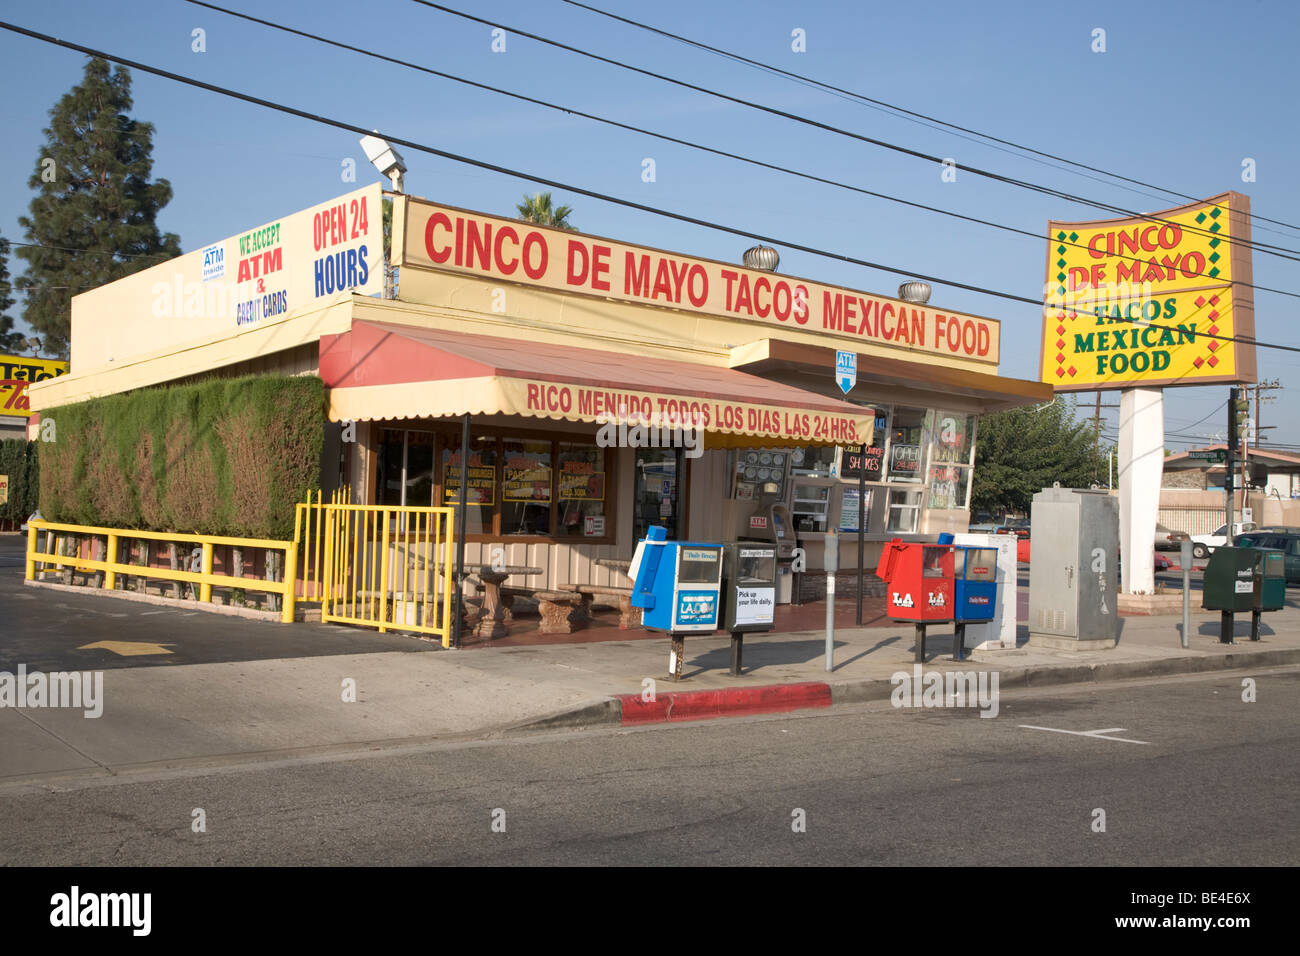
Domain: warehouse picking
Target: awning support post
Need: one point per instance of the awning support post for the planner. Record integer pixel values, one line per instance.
(862, 520)
(460, 529)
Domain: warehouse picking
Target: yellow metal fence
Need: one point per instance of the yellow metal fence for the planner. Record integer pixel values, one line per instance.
(388, 567)
(370, 565)
(50, 561)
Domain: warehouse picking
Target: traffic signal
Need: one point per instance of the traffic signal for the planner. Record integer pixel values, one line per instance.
(1238, 411)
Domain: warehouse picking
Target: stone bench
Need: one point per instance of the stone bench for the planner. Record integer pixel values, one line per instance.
(628, 616)
(562, 611)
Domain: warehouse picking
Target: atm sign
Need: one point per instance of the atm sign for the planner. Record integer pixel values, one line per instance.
(758, 522)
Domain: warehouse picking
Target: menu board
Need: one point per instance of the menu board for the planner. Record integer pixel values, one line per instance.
(947, 487)
(851, 463)
(579, 481)
(482, 482)
(527, 477)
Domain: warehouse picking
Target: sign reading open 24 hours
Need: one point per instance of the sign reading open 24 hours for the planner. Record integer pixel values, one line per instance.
(697, 609)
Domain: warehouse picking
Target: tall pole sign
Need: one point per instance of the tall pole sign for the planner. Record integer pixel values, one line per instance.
(1142, 304)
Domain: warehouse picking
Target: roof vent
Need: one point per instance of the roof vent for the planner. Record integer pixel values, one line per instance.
(915, 291)
(762, 258)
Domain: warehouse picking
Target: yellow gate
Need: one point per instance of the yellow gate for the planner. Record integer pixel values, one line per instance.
(388, 567)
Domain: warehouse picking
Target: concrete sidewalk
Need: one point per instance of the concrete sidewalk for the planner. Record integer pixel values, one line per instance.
(203, 714)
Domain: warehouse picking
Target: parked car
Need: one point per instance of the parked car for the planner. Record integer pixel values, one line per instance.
(1288, 542)
(1203, 544)
(1167, 540)
(1161, 562)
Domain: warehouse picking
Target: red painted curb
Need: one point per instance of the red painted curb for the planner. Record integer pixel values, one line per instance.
(730, 702)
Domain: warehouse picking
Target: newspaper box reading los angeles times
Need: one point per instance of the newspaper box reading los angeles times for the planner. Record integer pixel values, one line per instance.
(749, 593)
(677, 585)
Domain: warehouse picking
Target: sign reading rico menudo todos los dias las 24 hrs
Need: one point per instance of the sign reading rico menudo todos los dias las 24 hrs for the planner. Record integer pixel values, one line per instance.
(446, 239)
(1150, 301)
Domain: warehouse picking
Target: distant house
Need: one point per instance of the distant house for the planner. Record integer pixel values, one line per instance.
(1192, 498)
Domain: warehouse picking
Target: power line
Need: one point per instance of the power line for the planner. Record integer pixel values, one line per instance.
(1281, 252)
(579, 190)
(861, 97)
(1037, 236)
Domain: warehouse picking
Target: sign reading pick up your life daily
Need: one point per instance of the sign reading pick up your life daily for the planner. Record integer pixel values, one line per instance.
(1150, 301)
(445, 239)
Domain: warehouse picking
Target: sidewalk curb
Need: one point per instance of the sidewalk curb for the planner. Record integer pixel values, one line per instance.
(629, 710)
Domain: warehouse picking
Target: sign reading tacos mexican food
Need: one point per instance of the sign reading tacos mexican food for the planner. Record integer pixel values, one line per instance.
(1152, 300)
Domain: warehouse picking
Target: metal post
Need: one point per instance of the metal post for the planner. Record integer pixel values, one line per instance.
(1230, 464)
(460, 529)
(831, 562)
(1254, 625)
(918, 644)
(959, 641)
(675, 656)
(1225, 627)
(1185, 559)
(737, 651)
(862, 511)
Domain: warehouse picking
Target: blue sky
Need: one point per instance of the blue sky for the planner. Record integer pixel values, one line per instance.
(1184, 92)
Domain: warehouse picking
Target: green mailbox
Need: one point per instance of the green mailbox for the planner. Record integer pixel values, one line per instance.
(1230, 580)
(1246, 580)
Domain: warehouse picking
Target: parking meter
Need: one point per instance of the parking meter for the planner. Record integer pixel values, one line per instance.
(1185, 562)
(831, 562)
(677, 587)
(749, 593)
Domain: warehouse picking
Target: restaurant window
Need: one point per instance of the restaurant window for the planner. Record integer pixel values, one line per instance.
(952, 443)
(480, 503)
(525, 486)
(530, 486)
(906, 444)
(580, 491)
(817, 462)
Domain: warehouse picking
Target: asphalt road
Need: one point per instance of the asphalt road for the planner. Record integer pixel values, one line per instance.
(49, 630)
(1212, 781)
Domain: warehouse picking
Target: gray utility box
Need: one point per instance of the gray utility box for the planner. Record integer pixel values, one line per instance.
(1073, 569)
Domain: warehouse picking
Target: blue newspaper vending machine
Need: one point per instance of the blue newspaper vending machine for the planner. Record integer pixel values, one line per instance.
(677, 586)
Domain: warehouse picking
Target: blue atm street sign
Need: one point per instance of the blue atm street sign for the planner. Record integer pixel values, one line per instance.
(846, 370)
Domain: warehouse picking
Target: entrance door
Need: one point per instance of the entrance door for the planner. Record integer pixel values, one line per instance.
(658, 495)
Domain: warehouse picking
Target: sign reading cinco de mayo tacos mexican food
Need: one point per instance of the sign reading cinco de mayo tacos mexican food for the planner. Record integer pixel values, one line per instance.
(446, 239)
(1150, 301)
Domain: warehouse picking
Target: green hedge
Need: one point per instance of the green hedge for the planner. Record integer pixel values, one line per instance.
(228, 457)
(18, 461)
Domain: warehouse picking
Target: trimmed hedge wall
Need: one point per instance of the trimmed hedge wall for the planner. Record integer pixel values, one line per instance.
(228, 457)
(18, 461)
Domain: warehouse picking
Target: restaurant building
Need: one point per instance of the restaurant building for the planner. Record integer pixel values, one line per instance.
(574, 356)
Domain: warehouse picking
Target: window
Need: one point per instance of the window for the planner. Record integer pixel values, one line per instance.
(530, 486)
(818, 462)
(904, 509)
(580, 489)
(658, 494)
(849, 508)
(480, 503)
(525, 486)
(906, 444)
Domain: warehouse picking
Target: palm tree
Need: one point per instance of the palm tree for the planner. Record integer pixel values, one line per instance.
(537, 208)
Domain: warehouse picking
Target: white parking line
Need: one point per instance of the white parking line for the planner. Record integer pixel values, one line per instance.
(1098, 734)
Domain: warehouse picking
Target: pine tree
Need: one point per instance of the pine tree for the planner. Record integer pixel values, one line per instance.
(93, 218)
(10, 341)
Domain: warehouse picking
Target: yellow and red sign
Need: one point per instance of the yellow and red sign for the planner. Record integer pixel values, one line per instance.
(446, 239)
(1152, 300)
(16, 373)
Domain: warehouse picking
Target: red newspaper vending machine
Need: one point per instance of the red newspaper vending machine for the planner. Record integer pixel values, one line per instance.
(921, 585)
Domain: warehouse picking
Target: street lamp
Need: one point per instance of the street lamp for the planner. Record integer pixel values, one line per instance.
(386, 159)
